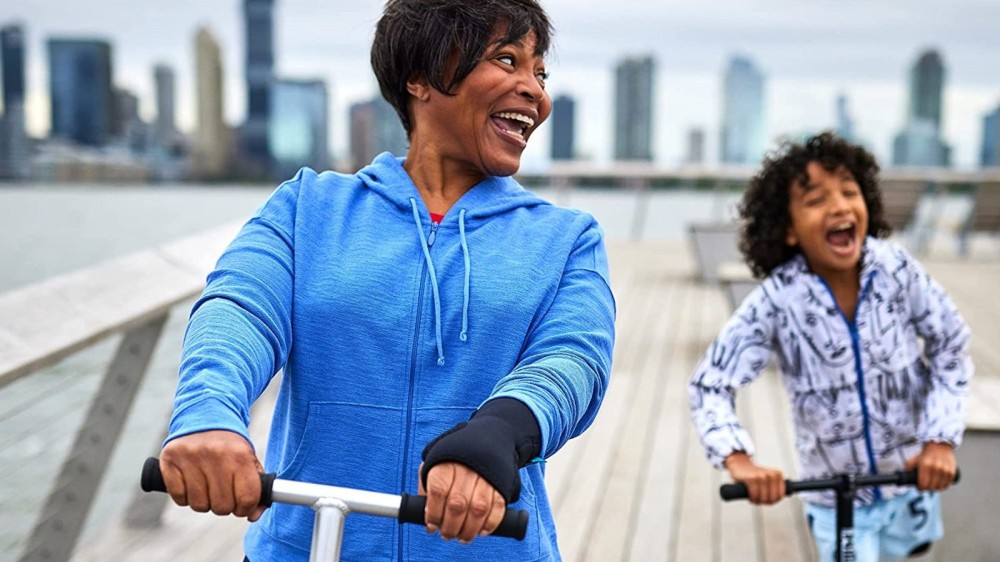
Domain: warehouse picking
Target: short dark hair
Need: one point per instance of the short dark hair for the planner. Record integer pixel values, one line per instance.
(764, 208)
(419, 38)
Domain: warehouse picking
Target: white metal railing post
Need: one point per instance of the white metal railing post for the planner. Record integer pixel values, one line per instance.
(61, 520)
(640, 188)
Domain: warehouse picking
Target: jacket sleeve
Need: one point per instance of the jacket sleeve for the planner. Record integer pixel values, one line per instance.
(566, 364)
(734, 359)
(946, 340)
(239, 331)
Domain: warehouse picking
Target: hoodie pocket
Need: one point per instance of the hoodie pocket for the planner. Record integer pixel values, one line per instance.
(348, 445)
(351, 446)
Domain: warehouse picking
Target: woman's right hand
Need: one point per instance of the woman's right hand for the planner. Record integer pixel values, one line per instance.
(764, 485)
(213, 471)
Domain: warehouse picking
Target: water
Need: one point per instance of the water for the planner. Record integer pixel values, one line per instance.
(51, 230)
(48, 230)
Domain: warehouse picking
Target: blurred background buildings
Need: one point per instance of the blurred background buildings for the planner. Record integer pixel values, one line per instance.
(98, 130)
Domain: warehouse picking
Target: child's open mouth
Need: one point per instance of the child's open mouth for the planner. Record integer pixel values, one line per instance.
(842, 237)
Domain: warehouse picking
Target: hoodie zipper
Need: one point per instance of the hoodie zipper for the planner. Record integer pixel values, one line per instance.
(433, 234)
(413, 375)
(852, 327)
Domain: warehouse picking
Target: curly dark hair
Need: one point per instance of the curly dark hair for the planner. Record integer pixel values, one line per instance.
(416, 38)
(764, 208)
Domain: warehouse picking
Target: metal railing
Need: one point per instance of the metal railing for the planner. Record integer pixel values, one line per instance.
(131, 296)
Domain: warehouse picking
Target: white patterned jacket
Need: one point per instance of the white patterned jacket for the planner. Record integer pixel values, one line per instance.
(864, 396)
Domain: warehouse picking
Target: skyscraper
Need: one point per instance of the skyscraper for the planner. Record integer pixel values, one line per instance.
(634, 109)
(259, 46)
(299, 126)
(990, 155)
(375, 128)
(165, 126)
(80, 78)
(743, 138)
(127, 127)
(211, 152)
(15, 150)
(845, 124)
(920, 142)
(563, 127)
(12, 58)
(696, 146)
(926, 88)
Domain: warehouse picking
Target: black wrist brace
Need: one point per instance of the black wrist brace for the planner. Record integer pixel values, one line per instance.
(500, 438)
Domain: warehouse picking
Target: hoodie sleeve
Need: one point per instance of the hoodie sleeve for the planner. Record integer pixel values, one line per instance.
(239, 332)
(735, 358)
(566, 364)
(946, 349)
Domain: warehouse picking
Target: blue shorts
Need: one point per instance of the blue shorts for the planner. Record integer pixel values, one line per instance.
(889, 529)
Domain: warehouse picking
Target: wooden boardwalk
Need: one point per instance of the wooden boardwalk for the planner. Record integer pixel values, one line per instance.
(636, 486)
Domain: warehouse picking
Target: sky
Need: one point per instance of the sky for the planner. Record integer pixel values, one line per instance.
(808, 51)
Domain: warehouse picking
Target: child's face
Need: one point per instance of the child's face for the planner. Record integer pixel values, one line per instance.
(829, 220)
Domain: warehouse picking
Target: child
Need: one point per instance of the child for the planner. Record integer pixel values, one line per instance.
(872, 352)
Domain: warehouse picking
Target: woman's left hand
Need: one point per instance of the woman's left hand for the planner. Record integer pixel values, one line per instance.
(460, 503)
(936, 466)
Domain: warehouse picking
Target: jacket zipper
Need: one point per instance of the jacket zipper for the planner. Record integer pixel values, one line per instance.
(413, 375)
(433, 234)
(852, 327)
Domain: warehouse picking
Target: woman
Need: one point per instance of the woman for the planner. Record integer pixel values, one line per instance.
(439, 327)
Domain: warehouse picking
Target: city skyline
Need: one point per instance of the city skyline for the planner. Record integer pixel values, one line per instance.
(807, 61)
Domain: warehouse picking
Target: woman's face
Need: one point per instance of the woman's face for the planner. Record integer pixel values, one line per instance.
(487, 122)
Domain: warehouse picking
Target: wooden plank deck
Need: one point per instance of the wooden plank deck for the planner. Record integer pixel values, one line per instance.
(636, 486)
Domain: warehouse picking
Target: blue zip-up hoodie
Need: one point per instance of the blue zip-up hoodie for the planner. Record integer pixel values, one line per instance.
(865, 395)
(390, 330)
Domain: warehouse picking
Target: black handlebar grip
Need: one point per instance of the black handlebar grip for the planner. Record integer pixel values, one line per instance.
(152, 478)
(909, 477)
(513, 525)
(152, 481)
(735, 491)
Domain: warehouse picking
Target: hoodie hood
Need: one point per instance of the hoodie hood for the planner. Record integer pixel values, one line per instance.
(493, 196)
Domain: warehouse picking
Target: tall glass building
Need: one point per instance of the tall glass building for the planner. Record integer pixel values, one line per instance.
(80, 78)
(163, 77)
(634, 79)
(845, 124)
(299, 127)
(926, 88)
(15, 151)
(990, 156)
(743, 138)
(563, 127)
(259, 26)
(12, 59)
(375, 128)
(211, 153)
(920, 142)
(695, 146)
